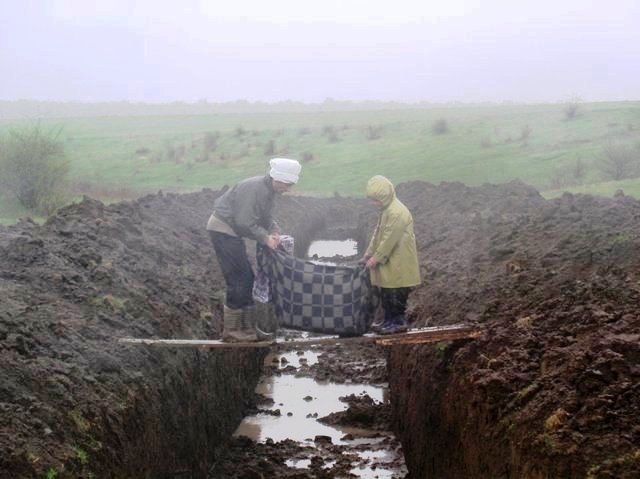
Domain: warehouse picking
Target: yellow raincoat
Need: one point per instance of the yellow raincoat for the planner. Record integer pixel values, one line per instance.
(393, 243)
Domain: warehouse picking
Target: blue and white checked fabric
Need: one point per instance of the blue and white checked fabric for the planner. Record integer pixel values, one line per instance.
(316, 297)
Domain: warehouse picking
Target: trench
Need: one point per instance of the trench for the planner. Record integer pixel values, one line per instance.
(325, 421)
(477, 409)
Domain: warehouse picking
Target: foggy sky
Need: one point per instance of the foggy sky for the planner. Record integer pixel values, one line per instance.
(273, 50)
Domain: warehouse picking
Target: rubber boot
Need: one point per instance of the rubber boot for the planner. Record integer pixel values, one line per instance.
(394, 326)
(378, 321)
(233, 332)
(266, 318)
(251, 324)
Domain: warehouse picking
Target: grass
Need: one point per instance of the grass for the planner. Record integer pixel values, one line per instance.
(630, 187)
(11, 210)
(82, 424)
(51, 473)
(115, 158)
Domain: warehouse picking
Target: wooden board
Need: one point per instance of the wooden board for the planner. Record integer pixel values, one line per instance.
(413, 336)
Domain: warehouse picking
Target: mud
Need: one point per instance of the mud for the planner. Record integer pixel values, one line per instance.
(358, 443)
(549, 390)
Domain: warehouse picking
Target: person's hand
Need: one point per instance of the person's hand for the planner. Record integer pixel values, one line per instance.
(273, 241)
(372, 262)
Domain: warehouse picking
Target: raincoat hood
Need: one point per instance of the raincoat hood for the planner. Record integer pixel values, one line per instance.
(381, 189)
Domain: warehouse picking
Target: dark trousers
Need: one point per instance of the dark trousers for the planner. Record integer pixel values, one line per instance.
(394, 303)
(236, 268)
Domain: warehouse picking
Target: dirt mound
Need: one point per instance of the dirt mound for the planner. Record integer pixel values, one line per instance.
(551, 389)
(72, 400)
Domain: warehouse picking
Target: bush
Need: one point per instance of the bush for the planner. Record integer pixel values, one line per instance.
(486, 142)
(210, 141)
(570, 175)
(270, 148)
(579, 169)
(619, 162)
(374, 132)
(571, 108)
(440, 127)
(525, 133)
(328, 130)
(34, 169)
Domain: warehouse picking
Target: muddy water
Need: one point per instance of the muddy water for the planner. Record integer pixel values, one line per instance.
(297, 403)
(300, 401)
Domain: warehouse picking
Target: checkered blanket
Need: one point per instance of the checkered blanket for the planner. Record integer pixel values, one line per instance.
(316, 297)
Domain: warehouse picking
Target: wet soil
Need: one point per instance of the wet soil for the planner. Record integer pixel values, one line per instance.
(549, 390)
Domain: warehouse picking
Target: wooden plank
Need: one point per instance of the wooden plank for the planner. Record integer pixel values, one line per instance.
(421, 337)
(414, 336)
(193, 343)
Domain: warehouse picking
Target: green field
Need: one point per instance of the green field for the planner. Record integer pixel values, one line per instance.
(125, 157)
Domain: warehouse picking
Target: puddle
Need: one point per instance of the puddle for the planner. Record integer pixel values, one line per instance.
(301, 401)
(377, 472)
(331, 248)
(298, 463)
(295, 359)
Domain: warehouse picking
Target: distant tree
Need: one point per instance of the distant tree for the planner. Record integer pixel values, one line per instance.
(34, 169)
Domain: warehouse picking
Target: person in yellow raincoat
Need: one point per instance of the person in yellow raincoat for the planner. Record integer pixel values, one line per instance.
(392, 257)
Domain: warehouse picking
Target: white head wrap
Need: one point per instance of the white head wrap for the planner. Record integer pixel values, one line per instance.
(285, 170)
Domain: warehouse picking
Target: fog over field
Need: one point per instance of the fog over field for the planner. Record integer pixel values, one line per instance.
(467, 51)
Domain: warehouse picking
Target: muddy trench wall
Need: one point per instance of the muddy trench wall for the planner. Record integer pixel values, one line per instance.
(522, 403)
(550, 389)
(74, 402)
(174, 426)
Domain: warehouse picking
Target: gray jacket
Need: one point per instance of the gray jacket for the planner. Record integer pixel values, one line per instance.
(246, 208)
